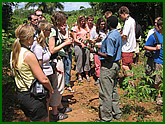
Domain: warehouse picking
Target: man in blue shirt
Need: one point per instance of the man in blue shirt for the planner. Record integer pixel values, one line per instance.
(110, 54)
(152, 45)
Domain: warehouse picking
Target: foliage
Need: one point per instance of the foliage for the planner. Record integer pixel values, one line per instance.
(7, 14)
(143, 12)
(144, 85)
(46, 7)
(6, 50)
(22, 13)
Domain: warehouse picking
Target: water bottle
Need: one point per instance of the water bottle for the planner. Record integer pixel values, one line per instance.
(39, 88)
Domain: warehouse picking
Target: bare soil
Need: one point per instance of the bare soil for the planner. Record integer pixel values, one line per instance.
(84, 104)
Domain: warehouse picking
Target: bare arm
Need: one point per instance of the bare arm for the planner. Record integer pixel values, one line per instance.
(149, 48)
(74, 34)
(76, 40)
(31, 60)
(54, 49)
(123, 36)
(103, 55)
(88, 36)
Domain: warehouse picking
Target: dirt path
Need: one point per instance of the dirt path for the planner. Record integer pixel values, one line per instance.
(84, 102)
(85, 105)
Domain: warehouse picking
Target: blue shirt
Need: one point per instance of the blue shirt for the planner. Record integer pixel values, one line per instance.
(158, 54)
(111, 46)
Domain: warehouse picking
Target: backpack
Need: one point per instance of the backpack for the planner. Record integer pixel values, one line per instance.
(54, 56)
(138, 30)
(149, 68)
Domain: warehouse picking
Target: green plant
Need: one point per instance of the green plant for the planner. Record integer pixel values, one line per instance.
(142, 89)
(6, 50)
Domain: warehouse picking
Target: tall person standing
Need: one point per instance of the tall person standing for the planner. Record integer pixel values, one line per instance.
(24, 64)
(110, 54)
(128, 40)
(56, 47)
(81, 33)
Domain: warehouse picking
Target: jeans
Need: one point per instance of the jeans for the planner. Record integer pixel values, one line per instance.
(67, 66)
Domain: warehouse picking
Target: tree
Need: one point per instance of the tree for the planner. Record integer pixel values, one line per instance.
(46, 7)
(143, 12)
(7, 14)
(82, 7)
(93, 4)
(54, 5)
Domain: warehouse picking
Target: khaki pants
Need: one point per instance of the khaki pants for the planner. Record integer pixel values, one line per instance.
(82, 59)
(108, 93)
(58, 84)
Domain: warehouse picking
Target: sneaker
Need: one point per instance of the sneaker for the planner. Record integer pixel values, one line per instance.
(97, 82)
(59, 116)
(64, 110)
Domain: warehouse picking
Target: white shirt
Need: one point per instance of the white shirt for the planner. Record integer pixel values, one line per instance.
(129, 44)
(44, 54)
(94, 35)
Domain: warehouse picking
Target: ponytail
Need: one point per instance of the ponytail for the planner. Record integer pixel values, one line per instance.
(41, 38)
(23, 32)
(42, 26)
(15, 53)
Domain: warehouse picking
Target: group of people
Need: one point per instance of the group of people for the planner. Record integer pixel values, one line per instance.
(44, 51)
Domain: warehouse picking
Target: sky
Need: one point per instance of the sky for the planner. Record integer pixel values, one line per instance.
(68, 6)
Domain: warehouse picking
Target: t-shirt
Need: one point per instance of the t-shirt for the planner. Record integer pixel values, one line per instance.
(111, 46)
(82, 33)
(44, 55)
(158, 54)
(61, 52)
(94, 35)
(129, 44)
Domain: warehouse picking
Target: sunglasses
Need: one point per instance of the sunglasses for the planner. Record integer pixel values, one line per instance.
(102, 24)
(35, 20)
(38, 15)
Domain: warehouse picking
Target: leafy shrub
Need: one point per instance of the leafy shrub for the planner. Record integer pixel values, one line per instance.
(6, 50)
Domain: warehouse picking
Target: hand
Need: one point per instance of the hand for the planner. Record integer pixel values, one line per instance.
(158, 47)
(59, 71)
(68, 41)
(83, 45)
(92, 50)
(98, 38)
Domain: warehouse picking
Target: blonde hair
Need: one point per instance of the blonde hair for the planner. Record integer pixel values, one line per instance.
(43, 25)
(108, 14)
(23, 32)
(80, 18)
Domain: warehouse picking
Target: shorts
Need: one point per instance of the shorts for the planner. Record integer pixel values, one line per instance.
(127, 58)
(158, 78)
(33, 108)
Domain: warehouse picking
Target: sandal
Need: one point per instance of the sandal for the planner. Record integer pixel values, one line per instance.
(64, 110)
(70, 89)
(60, 116)
(80, 79)
(88, 78)
(65, 100)
(159, 101)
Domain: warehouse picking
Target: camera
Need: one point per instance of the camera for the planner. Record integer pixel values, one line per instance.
(148, 54)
